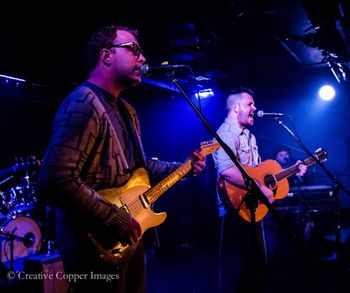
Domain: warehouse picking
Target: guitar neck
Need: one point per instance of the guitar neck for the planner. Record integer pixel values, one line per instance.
(155, 192)
(293, 169)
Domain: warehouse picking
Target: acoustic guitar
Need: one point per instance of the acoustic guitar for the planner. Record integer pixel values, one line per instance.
(269, 173)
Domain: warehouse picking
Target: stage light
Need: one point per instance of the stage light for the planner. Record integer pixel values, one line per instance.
(11, 80)
(326, 93)
(203, 94)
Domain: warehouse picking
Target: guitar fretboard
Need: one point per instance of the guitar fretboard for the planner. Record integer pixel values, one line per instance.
(155, 192)
(293, 169)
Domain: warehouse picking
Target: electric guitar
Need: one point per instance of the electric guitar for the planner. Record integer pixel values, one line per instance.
(269, 173)
(137, 197)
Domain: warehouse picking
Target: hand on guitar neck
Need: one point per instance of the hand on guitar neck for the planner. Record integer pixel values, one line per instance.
(302, 168)
(198, 162)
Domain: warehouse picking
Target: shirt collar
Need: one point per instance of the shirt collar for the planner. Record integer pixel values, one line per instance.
(236, 128)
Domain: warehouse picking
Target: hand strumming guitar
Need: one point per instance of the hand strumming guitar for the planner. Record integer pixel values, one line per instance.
(234, 176)
(133, 233)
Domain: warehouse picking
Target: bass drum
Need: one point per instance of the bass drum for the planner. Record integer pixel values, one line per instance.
(25, 235)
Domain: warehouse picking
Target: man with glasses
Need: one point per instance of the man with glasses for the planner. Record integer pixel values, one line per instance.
(95, 147)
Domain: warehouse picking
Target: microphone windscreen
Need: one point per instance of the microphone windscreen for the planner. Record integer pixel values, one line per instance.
(260, 113)
(145, 69)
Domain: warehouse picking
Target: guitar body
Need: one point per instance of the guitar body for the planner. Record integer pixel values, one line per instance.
(143, 214)
(129, 197)
(272, 176)
(264, 173)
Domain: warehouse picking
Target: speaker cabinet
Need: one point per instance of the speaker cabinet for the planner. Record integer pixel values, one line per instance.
(47, 274)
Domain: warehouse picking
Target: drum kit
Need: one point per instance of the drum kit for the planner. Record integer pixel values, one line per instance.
(20, 233)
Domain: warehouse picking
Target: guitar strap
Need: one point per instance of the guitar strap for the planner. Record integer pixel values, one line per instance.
(135, 158)
(150, 237)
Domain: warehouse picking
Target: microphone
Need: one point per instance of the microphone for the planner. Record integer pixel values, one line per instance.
(261, 113)
(147, 69)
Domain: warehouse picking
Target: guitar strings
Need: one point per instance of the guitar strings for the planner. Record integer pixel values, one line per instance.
(136, 204)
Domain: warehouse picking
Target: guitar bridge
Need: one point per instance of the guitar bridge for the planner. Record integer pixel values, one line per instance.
(144, 201)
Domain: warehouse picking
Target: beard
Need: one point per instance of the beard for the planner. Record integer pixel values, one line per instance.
(128, 82)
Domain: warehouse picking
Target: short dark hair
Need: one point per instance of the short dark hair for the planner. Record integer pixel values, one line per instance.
(103, 38)
(241, 90)
(234, 96)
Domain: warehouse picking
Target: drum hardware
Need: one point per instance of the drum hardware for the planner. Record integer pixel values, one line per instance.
(28, 241)
(11, 236)
(18, 200)
(20, 165)
(19, 237)
(48, 229)
(8, 199)
(5, 180)
(18, 195)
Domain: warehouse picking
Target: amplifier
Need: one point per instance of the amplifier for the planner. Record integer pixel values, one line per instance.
(46, 273)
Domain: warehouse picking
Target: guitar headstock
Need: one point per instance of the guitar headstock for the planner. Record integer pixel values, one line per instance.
(208, 147)
(321, 155)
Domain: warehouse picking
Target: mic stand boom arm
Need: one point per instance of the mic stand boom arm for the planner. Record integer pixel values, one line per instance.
(307, 151)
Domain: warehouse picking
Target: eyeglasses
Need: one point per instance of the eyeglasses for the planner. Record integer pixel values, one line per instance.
(132, 46)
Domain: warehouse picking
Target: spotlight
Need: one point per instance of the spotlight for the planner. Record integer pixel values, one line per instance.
(326, 93)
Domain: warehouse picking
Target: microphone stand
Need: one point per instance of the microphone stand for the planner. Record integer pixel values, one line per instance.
(12, 238)
(5, 180)
(254, 193)
(337, 184)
